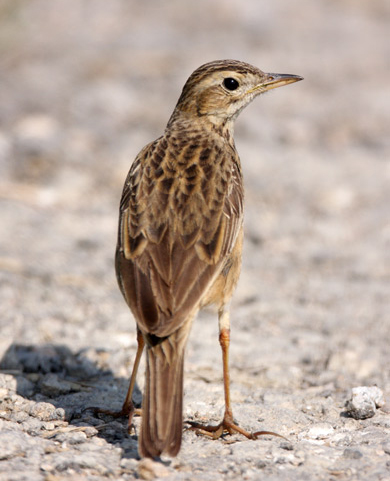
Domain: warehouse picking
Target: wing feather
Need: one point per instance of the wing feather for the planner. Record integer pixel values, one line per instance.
(180, 216)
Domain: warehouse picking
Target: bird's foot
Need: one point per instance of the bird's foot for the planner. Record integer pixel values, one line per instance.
(227, 426)
(128, 410)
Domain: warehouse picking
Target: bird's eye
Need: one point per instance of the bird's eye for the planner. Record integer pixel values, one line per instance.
(230, 83)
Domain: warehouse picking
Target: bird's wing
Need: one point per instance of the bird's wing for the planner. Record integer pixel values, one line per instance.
(180, 215)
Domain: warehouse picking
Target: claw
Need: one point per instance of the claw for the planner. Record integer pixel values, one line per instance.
(228, 427)
(126, 411)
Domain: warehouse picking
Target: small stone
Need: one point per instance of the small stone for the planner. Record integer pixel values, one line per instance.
(59, 414)
(281, 460)
(320, 431)
(149, 469)
(25, 386)
(364, 402)
(129, 464)
(46, 412)
(90, 431)
(19, 416)
(342, 439)
(49, 426)
(99, 441)
(47, 467)
(72, 438)
(286, 445)
(351, 453)
(6, 380)
(33, 426)
(52, 386)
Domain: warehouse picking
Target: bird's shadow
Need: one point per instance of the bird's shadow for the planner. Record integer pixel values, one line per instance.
(70, 380)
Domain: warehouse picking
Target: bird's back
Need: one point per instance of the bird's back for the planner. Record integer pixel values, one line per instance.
(180, 215)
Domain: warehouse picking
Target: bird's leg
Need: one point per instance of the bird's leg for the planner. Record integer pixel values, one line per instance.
(224, 341)
(128, 408)
(227, 425)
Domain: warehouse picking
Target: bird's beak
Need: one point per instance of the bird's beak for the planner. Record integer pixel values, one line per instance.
(274, 80)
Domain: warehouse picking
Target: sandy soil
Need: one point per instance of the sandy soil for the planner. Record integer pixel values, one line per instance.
(84, 85)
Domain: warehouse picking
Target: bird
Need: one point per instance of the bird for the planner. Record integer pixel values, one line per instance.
(180, 240)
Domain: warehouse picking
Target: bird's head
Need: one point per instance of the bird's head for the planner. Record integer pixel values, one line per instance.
(219, 90)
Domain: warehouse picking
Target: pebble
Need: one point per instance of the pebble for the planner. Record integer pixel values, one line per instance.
(352, 453)
(25, 386)
(287, 445)
(12, 384)
(128, 464)
(364, 402)
(52, 386)
(47, 467)
(46, 412)
(90, 431)
(149, 469)
(20, 416)
(72, 438)
(320, 431)
(7, 381)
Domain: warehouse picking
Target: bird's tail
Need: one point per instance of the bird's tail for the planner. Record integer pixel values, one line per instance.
(162, 405)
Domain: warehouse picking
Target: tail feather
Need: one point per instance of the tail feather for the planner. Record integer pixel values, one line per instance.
(162, 407)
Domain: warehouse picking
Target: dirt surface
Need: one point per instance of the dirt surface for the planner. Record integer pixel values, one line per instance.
(84, 86)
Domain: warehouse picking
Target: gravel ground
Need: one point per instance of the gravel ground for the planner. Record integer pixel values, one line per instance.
(84, 85)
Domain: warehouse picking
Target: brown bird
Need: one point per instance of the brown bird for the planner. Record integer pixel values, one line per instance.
(180, 240)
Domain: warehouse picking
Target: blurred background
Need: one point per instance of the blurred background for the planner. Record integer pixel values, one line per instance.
(84, 85)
